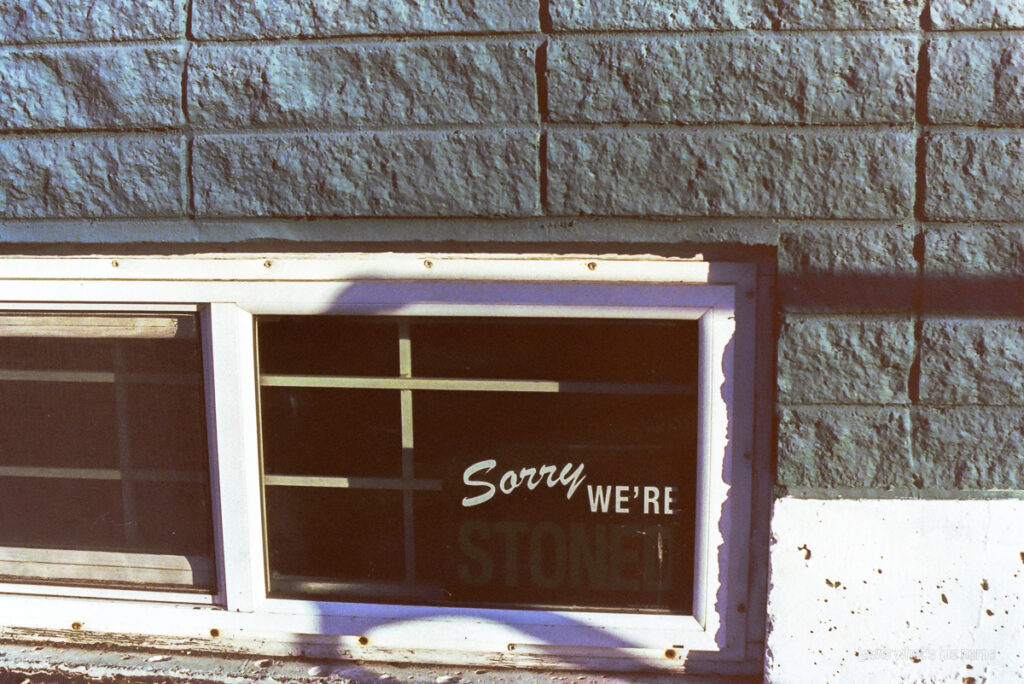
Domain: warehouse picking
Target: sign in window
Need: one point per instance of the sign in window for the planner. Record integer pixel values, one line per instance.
(494, 462)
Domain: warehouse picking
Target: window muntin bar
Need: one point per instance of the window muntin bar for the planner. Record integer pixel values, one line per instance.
(94, 376)
(401, 483)
(408, 457)
(474, 385)
(102, 474)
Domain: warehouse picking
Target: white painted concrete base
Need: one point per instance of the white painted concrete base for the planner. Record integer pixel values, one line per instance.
(896, 590)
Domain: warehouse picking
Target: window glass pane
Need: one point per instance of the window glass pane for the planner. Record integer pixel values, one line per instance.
(581, 500)
(327, 345)
(571, 350)
(61, 513)
(331, 432)
(151, 441)
(325, 534)
(167, 519)
(103, 462)
(38, 429)
(424, 485)
(42, 353)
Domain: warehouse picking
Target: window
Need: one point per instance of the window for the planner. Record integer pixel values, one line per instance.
(103, 467)
(350, 455)
(467, 461)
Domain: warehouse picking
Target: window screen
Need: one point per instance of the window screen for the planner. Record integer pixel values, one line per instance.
(103, 461)
(531, 463)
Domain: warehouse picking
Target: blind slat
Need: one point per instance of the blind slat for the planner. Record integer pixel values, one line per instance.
(126, 326)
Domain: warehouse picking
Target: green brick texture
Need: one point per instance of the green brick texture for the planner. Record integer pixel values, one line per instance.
(874, 150)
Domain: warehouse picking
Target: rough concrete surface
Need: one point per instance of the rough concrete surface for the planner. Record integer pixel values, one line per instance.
(844, 446)
(382, 85)
(408, 174)
(974, 252)
(972, 361)
(699, 15)
(749, 173)
(969, 447)
(91, 88)
(91, 176)
(976, 14)
(976, 80)
(531, 235)
(733, 77)
(225, 19)
(843, 14)
(974, 176)
(574, 15)
(824, 360)
(46, 21)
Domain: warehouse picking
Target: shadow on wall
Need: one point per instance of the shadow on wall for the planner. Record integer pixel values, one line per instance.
(938, 295)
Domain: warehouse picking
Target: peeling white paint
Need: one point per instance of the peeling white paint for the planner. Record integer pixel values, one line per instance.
(896, 590)
(55, 663)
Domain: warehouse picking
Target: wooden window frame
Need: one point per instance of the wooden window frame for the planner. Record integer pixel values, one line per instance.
(229, 290)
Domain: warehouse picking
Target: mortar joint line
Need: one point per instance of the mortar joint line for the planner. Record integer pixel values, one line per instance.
(189, 184)
(543, 115)
(921, 118)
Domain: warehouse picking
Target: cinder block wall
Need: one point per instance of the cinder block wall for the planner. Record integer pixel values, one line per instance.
(875, 148)
(227, 111)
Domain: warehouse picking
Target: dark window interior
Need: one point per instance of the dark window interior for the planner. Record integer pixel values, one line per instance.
(103, 446)
(529, 463)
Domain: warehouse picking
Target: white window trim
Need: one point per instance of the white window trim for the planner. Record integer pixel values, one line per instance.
(229, 290)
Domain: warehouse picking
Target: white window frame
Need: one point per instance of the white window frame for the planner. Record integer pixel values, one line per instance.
(231, 289)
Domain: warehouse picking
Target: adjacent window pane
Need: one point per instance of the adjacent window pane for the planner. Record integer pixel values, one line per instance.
(58, 424)
(103, 463)
(45, 353)
(499, 462)
(61, 513)
(150, 441)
